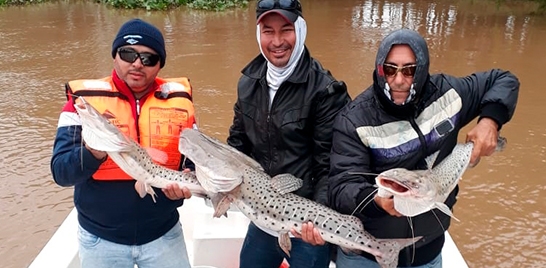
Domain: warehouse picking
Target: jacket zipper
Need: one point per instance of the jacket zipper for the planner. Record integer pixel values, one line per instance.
(268, 121)
(136, 119)
(137, 104)
(414, 125)
(407, 250)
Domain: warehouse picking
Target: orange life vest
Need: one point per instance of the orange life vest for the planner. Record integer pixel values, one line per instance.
(162, 116)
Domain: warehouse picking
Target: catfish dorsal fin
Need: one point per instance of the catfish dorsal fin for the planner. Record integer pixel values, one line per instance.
(286, 183)
(228, 150)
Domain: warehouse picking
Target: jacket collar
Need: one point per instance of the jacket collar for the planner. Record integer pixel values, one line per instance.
(257, 68)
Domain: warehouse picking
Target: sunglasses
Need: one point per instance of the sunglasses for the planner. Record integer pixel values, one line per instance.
(265, 5)
(130, 55)
(392, 70)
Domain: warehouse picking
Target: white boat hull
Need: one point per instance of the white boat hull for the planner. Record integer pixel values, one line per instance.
(203, 233)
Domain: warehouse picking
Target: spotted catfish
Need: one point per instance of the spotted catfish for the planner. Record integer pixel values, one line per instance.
(268, 203)
(418, 191)
(100, 134)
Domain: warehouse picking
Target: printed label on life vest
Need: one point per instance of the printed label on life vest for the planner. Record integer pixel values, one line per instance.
(165, 127)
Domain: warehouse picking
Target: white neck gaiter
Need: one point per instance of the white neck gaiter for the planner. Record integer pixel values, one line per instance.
(276, 75)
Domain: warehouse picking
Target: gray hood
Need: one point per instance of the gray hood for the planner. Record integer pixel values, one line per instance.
(419, 47)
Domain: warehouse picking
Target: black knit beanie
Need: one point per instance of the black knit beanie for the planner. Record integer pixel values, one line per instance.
(139, 32)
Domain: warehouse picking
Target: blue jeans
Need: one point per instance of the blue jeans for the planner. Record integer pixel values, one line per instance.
(345, 260)
(166, 252)
(261, 250)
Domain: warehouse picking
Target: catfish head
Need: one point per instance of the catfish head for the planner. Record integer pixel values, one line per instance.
(405, 183)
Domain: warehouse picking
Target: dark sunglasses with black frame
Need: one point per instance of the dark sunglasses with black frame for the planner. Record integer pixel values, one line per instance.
(130, 55)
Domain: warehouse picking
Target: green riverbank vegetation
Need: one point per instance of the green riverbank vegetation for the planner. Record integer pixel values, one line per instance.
(216, 5)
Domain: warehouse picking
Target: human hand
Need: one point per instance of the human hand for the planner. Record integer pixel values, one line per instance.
(96, 153)
(484, 136)
(387, 204)
(309, 234)
(174, 192)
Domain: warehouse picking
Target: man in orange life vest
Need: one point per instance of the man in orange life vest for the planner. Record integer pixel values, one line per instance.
(118, 228)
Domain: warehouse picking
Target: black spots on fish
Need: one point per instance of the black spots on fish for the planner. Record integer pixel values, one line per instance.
(295, 224)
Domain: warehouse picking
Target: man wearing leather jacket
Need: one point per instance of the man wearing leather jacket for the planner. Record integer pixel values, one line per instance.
(283, 119)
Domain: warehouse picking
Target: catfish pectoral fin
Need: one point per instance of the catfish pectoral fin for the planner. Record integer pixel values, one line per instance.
(220, 203)
(285, 243)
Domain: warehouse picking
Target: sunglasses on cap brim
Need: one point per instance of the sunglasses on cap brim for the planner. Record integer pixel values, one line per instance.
(265, 5)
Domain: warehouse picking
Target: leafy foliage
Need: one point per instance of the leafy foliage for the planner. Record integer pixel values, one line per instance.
(20, 2)
(167, 4)
(216, 5)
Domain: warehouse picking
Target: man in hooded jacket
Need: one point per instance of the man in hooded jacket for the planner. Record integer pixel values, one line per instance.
(402, 118)
(283, 119)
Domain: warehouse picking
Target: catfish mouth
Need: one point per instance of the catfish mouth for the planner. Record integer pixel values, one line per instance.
(392, 186)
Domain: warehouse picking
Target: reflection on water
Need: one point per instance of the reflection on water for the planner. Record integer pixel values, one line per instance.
(500, 203)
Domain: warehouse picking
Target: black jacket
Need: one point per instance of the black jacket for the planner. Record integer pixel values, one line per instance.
(371, 136)
(295, 135)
